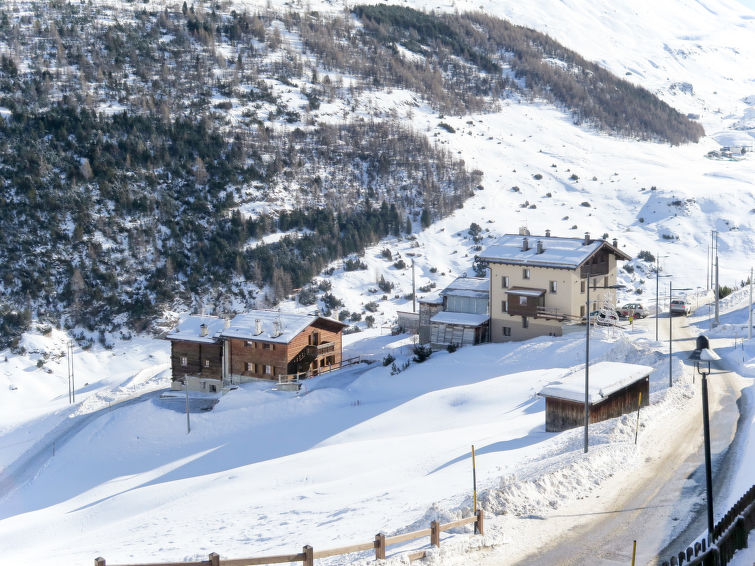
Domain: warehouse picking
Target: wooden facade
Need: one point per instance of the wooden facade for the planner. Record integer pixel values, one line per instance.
(523, 301)
(315, 348)
(563, 414)
(197, 359)
(207, 352)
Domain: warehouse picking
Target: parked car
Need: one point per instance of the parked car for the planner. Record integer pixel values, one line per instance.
(604, 317)
(635, 310)
(680, 306)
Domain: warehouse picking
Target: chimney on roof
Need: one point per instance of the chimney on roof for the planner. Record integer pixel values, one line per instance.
(587, 239)
(277, 331)
(615, 243)
(523, 231)
(548, 233)
(227, 322)
(257, 327)
(525, 244)
(203, 329)
(539, 246)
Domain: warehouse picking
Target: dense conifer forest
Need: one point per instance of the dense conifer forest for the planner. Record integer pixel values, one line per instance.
(145, 154)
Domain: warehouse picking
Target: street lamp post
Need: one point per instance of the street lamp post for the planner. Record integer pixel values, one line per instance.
(587, 356)
(704, 354)
(670, 326)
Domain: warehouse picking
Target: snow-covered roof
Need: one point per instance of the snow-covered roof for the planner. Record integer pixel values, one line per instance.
(526, 291)
(467, 319)
(189, 329)
(431, 299)
(605, 378)
(275, 326)
(468, 284)
(567, 253)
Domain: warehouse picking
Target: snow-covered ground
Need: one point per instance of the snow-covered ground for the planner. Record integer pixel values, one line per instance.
(363, 451)
(355, 453)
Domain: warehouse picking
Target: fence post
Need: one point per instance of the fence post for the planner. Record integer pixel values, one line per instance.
(214, 559)
(682, 556)
(480, 522)
(435, 533)
(309, 555)
(380, 546)
(99, 561)
(698, 546)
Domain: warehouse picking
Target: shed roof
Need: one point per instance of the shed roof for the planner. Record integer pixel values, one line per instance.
(461, 318)
(605, 379)
(564, 253)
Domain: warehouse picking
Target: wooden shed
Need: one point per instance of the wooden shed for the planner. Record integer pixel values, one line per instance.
(614, 390)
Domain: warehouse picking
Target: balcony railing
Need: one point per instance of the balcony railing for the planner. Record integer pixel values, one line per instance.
(552, 313)
(321, 349)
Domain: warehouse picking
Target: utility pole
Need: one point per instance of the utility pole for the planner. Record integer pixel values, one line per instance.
(657, 307)
(414, 291)
(712, 252)
(707, 270)
(188, 421)
(749, 317)
(716, 288)
(71, 382)
(587, 362)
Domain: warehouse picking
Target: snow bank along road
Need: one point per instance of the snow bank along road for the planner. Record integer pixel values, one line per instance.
(662, 500)
(26, 467)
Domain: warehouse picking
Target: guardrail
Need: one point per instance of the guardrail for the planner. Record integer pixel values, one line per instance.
(729, 535)
(308, 554)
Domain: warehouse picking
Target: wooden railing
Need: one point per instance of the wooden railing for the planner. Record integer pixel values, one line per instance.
(729, 535)
(308, 554)
(296, 377)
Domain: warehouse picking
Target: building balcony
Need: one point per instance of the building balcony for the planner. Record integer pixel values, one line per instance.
(320, 349)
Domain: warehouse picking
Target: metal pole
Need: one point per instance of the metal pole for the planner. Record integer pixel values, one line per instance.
(474, 485)
(414, 291)
(587, 363)
(708, 472)
(749, 318)
(670, 327)
(716, 290)
(657, 304)
(68, 351)
(73, 379)
(707, 269)
(712, 254)
(188, 421)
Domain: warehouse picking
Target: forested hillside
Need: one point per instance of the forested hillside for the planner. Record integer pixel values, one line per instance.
(144, 154)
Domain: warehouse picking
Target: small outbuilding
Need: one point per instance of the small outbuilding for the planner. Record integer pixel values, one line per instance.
(614, 390)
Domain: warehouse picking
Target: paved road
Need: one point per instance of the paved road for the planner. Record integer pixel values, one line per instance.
(669, 490)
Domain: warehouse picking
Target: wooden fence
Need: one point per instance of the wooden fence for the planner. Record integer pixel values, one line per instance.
(729, 535)
(307, 555)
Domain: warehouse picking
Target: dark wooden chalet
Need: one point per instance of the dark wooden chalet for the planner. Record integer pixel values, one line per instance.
(212, 352)
(614, 390)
